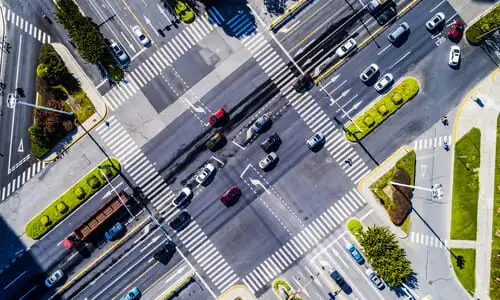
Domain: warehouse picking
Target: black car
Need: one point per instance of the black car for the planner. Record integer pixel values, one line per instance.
(164, 253)
(180, 221)
(272, 143)
(303, 83)
(341, 282)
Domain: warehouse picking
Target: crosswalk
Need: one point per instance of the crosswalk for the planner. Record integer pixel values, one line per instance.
(21, 179)
(430, 143)
(208, 257)
(307, 108)
(23, 24)
(157, 62)
(239, 25)
(142, 171)
(427, 240)
(304, 241)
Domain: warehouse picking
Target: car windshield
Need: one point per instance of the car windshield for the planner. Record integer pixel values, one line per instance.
(213, 118)
(317, 137)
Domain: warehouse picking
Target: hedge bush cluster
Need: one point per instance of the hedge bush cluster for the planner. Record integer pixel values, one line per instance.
(485, 24)
(70, 200)
(385, 107)
(399, 205)
(355, 226)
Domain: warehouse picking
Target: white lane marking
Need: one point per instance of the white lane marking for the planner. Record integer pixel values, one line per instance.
(399, 60)
(438, 5)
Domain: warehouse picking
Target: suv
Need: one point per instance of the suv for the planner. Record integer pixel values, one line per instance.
(272, 143)
(164, 253)
(216, 141)
(180, 221)
(402, 29)
(183, 196)
(119, 53)
(369, 72)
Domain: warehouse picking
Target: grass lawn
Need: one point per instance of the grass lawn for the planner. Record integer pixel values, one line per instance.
(495, 246)
(465, 186)
(466, 275)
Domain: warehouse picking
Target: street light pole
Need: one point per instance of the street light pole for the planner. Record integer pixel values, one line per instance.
(106, 166)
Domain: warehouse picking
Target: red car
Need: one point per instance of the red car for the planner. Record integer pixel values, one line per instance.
(217, 117)
(230, 196)
(456, 31)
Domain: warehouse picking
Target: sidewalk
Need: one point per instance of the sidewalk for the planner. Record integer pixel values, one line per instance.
(472, 115)
(364, 189)
(94, 96)
(470, 9)
(237, 291)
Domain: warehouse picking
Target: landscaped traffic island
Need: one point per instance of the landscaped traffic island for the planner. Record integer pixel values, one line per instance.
(71, 199)
(283, 290)
(476, 32)
(374, 115)
(465, 186)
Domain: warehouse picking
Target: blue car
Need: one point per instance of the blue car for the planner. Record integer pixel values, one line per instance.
(114, 232)
(133, 294)
(355, 253)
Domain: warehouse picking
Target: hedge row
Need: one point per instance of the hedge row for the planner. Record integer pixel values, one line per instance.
(485, 24)
(378, 112)
(70, 200)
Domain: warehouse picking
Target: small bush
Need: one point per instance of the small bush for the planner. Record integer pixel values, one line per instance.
(355, 226)
(50, 216)
(94, 182)
(372, 117)
(382, 109)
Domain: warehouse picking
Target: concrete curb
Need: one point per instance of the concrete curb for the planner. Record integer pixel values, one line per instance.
(363, 188)
(92, 94)
(233, 292)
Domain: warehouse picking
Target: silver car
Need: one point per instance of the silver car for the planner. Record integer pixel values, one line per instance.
(118, 51)
(375, 279)
(141, 36)
(268, 160)
(204, 173)
(384, 82)
(346, 48)
(261, 124)
(369, 72)
(435, 21)
(315, 140)
(54, 278)
(182, 197)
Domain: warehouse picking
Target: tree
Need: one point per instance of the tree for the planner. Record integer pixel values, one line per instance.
(385, 255)
(67, 13)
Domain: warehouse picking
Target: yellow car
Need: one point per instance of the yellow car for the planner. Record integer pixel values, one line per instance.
(184, 12)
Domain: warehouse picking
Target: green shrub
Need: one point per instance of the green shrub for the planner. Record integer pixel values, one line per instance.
(94, 182)
(51, 215)
(238, 298)
(372, 116)
(485, 24)
(355, 226)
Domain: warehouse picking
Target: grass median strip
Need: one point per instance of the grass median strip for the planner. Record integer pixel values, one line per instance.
(59, 209)
(374, 115)
(464, 265)
(465, 186)
(495, 245)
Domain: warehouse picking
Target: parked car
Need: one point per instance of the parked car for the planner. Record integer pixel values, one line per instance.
(261, 124)
(346, 48)
(384, 82)
(217, 117)
(145, 41)
(205, 173)
(215, 141)
(119, 53)
(114, 231)
(272, 143)
(456, 31)
(355, 253)
(133, 294)
(164, 253)
(435, 22)
(54, 278)
(314, 141)
(374, 278)
(180, 221)
(454, 56)
(369, 73)
(399, 32)
(231, 196)
(303, 83)
(267, 161)
(182, 197)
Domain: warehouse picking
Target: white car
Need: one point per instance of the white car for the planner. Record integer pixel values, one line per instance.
(54, 278)
(346, 48)
(268, 160)
(182, 197)
(118, 51)
(374, 278)
(315, 140)
(383, 82)
(435, 21)
(204, 173)
(369, 72)
(141, 36)
(454, 58)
